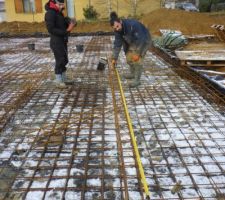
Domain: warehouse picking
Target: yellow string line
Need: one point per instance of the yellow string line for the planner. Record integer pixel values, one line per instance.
(140, 167)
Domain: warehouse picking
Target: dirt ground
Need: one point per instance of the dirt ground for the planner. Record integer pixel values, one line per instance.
(28, 28)
(188, 22)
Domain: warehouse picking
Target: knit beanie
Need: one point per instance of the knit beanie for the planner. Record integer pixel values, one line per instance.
(60, 1)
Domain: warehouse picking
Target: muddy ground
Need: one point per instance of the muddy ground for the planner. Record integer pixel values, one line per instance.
(187, 22)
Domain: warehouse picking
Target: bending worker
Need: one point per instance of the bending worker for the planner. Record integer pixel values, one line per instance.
(136, 40)
(59, 28)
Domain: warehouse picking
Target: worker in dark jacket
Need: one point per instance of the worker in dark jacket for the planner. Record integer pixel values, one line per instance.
(59, 28)
(136, 40)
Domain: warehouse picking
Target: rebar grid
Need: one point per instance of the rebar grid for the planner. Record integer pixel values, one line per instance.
(20, 77)
(179, 126)
(74, 143)
(71, 149)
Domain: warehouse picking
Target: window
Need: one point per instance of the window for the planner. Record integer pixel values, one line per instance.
(28, 6)
(2, 6)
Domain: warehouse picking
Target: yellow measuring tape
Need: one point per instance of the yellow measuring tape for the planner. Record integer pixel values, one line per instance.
(140, 167)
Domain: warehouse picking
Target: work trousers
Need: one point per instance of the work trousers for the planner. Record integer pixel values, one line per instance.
(60, 52)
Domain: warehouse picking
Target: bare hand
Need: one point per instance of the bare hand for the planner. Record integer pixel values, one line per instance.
(70, 27)
(73, 21)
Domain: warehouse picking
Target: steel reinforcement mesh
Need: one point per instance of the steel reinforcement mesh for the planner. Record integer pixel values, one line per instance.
(74, 143)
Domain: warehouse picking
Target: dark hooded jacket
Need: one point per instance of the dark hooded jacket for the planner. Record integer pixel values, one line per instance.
(56, 24)
(133, 35)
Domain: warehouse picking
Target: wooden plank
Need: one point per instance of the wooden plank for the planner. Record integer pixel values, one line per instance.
(203, 54)
(183, 62)
(195, 63)
(206, 55)
(200, 36)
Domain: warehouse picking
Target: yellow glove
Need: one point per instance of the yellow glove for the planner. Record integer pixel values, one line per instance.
(135, 58)
(113, 62)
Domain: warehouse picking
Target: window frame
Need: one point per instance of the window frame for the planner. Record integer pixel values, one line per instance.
(20, 6)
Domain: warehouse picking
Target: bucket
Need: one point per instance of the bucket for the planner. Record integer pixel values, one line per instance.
(31, 46)
(102, 63)
(80, 48)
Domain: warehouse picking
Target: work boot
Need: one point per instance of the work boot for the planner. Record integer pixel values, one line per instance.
(131, 74)
(65, 79)
(137, 75)
(58, 81)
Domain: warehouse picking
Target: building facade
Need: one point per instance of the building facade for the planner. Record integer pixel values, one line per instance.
(2, 10)
(33, 10)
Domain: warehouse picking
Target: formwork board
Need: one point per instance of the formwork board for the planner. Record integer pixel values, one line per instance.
(208, 58)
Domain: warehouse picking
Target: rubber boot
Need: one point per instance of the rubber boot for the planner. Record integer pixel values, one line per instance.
(65, 78)
(59, 82)
(137, 76)
(131, 74)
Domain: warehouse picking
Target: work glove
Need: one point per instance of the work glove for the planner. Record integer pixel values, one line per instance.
(135, 58)
(113, 62)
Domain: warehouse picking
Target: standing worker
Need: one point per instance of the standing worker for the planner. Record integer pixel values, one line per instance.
(59, 28)
(136, 40)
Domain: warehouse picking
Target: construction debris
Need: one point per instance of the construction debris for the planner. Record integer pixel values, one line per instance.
(177, 187)
(170, 40)
(219, 31)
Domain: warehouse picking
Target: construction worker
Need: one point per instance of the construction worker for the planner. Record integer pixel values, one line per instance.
(136, 40)
(59, 28)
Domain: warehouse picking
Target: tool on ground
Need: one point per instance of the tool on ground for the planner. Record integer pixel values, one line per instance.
(134, 142)
(80, 48)
(31, 46)
(102, 63)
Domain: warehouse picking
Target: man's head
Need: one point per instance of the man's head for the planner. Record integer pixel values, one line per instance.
(60, 4)
(115, 22)
(117, 26)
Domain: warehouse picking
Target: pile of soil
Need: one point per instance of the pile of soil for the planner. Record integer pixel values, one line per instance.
(14, 28)
(189, 23)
